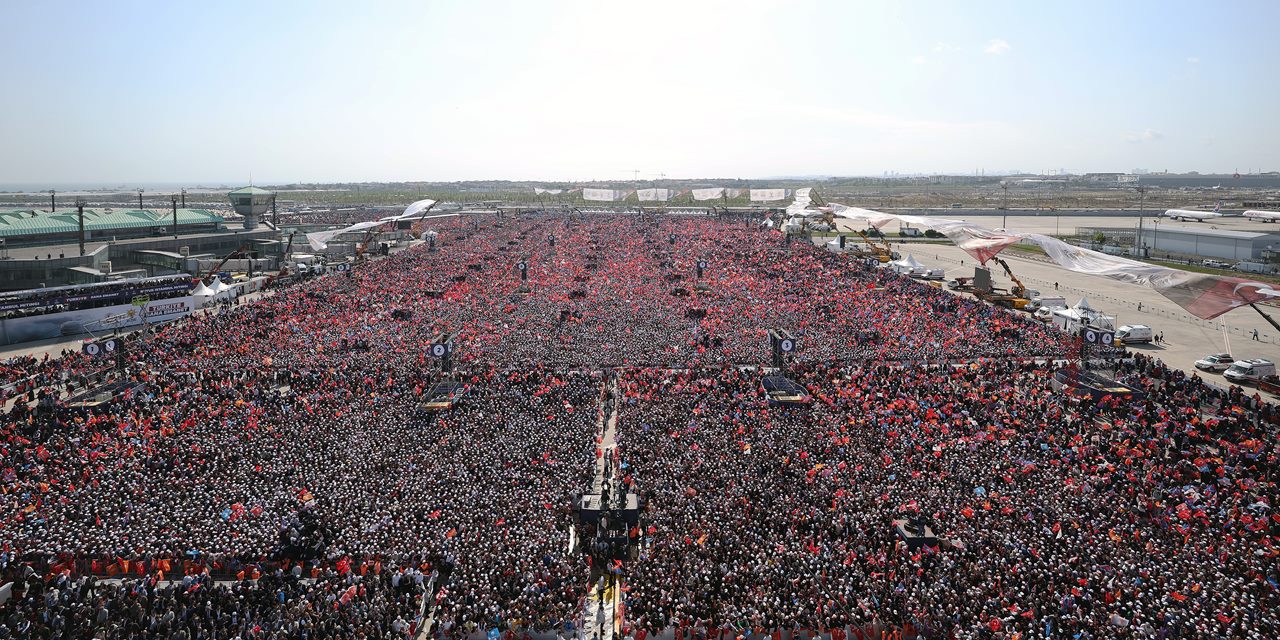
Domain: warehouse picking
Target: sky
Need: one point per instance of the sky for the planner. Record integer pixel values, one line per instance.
(336, 91)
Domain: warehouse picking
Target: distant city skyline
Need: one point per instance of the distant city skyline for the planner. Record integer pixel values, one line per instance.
(326, 91)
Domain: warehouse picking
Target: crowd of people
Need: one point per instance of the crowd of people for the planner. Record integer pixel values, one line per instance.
(1054, 517)
(271, 470)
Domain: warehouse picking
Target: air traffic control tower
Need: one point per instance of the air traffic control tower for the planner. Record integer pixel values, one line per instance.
(251, 202)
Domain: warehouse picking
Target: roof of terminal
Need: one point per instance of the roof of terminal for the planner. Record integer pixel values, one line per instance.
(29, 222)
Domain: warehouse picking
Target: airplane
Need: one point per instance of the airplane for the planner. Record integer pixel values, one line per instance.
(1262, 216)
(1188, 215)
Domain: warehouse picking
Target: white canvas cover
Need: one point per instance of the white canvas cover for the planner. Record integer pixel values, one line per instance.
(708, 194)
(417, 207)
(553, 192)
(803, 199)
(319, 240)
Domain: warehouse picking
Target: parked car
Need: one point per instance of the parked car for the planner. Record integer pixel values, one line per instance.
(1217, 362)
(1217, 264)
(1244, 371)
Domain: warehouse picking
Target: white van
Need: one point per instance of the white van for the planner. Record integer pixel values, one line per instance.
(1250, 370)
(1132, 333)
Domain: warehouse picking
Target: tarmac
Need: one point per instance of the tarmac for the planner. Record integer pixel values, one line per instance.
(1186, 338)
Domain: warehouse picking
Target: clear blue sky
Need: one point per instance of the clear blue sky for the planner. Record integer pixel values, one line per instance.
(331, 91)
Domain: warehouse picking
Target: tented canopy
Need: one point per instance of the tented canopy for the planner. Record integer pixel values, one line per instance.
(202, 291)
(1084, 305)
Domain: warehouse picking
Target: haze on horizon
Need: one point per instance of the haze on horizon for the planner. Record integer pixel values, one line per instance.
(562, 91)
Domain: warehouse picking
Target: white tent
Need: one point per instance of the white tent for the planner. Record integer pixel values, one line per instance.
(222, 290)
(202, 291)
(908, 265)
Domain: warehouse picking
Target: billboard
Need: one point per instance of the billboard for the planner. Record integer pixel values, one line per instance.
(99, 320)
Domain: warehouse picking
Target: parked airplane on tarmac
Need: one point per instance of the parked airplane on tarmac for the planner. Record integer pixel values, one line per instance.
(1189, 215)
(1262, 216)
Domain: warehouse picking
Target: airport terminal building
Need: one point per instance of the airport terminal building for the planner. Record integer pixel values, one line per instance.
(45, 249)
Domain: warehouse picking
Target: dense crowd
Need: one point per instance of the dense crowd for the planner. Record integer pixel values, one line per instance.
(1054, 517)
(271, 471)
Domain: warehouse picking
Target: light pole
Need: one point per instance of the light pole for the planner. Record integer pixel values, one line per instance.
(80, 214)
(174, 200)
(1004, 206)
(1142, 207)
(53, 204)
(184, 198)
(139, 199)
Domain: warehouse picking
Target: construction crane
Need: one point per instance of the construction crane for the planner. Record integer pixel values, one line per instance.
(1014, 298)
(882, 253)
(284, 259)
(218, 267)
(1018, 289)
(363, 245)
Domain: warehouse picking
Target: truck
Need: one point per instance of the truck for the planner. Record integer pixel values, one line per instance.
(1245, 371)
(1134, 333)
(1253, 267)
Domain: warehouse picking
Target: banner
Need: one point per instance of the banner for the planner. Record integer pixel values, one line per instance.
(733, 193)
(653, 195)
(767, 195)
(1204, 296)
(708, 194)
(81, 321)
(553, 192)
(600, 195)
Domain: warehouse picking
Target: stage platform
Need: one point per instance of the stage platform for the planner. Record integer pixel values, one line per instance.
(1078, 382)
(782, 391)
(444, 395)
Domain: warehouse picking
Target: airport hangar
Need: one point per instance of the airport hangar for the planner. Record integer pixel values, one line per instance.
(1204, 242)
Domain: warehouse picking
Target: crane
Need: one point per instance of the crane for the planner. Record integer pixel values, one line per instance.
(1018, 289)
(882, 253)
(218, 267)
(284, 258)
